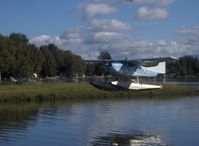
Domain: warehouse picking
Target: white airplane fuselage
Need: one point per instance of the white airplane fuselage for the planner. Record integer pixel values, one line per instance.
(126, 69)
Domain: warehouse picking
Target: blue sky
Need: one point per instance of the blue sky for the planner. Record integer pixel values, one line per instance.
(138, 29)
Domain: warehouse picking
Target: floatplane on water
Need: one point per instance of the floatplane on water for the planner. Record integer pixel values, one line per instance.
(132, 68)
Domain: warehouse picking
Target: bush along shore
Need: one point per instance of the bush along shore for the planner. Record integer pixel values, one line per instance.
(83, 91)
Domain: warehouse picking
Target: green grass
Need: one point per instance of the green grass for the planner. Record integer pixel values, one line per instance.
(81, 91)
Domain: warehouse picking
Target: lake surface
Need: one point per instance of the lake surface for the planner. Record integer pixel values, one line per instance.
(160, 122)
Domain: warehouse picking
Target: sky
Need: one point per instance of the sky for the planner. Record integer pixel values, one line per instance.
(126, 28)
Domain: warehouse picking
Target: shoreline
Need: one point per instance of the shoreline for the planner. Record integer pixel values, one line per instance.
(83, 91)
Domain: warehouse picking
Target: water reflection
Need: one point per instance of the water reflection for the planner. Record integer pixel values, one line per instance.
(14, 119)
(133, 139)
(86, 123)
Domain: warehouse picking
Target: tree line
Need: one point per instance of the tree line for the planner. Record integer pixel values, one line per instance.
(184, 66)
(21, 59)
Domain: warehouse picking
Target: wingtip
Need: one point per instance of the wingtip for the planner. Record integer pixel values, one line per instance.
(174, 58)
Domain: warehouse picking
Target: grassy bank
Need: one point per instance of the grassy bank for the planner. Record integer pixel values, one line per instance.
(59, 91)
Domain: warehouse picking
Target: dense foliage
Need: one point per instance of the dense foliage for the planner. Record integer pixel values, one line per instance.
(185, 66)
(99, 68)
(21, 59)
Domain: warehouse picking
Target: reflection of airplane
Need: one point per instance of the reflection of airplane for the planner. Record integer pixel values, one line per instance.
(134, 139)
(132, 68)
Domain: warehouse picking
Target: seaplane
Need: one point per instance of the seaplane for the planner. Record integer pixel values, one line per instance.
(132, 70)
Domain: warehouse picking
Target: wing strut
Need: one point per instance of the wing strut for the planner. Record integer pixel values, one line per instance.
(137, 80)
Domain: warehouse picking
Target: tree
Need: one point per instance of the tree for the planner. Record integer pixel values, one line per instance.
(104, 55)
(72, 64)
(99, 68)
(20, 59)
(7, 57)
(185, 66)
(78, 67)
(36, 58)
(49, 67)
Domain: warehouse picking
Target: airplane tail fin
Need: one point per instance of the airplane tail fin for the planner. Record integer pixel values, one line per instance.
(160, 68)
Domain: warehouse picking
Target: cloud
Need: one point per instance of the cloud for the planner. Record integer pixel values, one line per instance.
(190, 38)
(45, 39)
(162, 42)
(86, 42)
(157, 2)
(121, 46)
(191, 32)
(98, 32)
(106, 37)
(91, 10)
(109, 25)
(109, 1)
(158, 12)
(70, 40)
(144, 13)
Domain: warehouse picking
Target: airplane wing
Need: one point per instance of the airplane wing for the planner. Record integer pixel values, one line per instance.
(161, 59)
(143, 62)
(151, 61)
(96, 61)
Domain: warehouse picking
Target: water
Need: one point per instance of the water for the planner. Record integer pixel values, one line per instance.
(159, 122)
